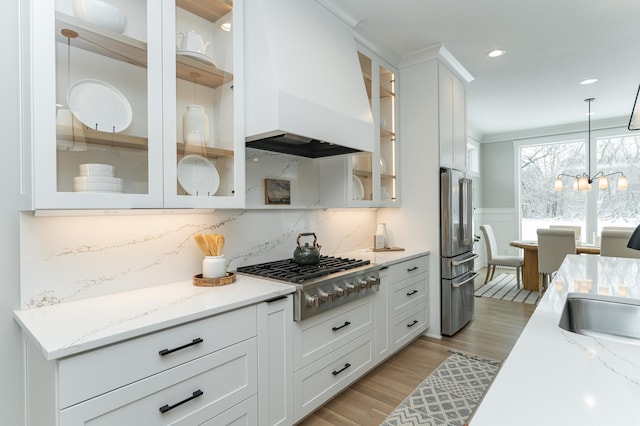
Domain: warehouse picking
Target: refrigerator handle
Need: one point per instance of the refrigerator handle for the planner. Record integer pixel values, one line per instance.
(472, 277)
(466, 212)
(465, 260)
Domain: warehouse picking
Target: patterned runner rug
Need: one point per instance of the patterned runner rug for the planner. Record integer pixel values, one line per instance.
(449, 395)
(503, 287)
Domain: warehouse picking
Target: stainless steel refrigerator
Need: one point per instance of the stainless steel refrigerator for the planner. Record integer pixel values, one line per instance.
(456, 251)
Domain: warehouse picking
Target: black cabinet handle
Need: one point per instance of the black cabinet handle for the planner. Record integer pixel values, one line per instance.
(168, 351)
(346, 323)
(412, 269)
(275, 299)
(412, 324)
(336, 372)
(412, 293)
(168, 407)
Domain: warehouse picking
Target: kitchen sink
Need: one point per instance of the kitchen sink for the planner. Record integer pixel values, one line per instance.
(599, 316)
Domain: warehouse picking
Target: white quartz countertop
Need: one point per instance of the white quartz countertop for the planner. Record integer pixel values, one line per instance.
(555, 377)
(73, 327)
(69, 328)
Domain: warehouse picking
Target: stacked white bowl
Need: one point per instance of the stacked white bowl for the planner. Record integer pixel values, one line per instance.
(97, 177)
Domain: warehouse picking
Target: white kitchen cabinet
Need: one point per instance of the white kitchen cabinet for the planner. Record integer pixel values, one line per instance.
(186, 374)
(128, 92)
(331, 350)
(401, 314)
(452, 119)
(371, 178)
(275, 352)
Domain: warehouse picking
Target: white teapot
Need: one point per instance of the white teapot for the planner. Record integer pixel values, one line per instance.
(192, 41)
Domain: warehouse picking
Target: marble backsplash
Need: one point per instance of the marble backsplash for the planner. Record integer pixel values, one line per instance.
(76, 257)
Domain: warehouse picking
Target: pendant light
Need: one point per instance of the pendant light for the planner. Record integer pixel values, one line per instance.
(583, 182)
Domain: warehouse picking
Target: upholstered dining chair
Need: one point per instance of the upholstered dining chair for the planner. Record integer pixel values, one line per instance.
(494, 259)
(576, 229)
(613, 243)
(553, 246)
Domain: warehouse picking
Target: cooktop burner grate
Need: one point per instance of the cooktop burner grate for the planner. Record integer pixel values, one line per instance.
(289, 271)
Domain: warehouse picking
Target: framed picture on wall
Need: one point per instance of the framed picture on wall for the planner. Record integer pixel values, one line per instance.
(277, 191)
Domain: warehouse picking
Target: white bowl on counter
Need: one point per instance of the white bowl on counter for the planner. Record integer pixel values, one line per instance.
(95, 169)
(100, 14)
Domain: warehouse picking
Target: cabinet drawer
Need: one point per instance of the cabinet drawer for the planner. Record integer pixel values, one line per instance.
(318, 382)
(406, 269)
(408, 325)
(322, 334)
(197, 391)
(407, 293)
(93, 373)
(243, 414)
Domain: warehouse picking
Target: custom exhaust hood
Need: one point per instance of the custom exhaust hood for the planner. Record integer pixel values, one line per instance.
(305, 94)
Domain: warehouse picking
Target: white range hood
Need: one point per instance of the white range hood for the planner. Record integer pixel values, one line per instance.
(305, 94)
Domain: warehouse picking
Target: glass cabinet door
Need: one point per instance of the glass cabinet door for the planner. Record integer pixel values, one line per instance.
(200, 133)
(387, 146)
(362, 164)
(103, 101)
(374, 174)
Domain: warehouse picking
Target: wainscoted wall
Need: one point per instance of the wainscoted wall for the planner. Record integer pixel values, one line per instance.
(75, 257)
(505, 225)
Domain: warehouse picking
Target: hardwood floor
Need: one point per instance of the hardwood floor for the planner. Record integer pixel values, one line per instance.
(492, 333)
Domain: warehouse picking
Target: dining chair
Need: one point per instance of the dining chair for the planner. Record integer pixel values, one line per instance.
(553, 246)
(494, 259)
(576, 229)
(618, 228)
(613, 243)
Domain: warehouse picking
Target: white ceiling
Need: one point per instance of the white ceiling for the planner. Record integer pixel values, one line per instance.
(551, 46)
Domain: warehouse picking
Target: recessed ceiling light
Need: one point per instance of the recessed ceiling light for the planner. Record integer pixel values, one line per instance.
(496, 52)
(589, 81)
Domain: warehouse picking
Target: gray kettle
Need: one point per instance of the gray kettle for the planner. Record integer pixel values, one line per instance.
(307, 255)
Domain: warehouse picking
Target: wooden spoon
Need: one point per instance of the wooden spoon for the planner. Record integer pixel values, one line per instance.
(219, 243)
(202, 243)
(213, 247)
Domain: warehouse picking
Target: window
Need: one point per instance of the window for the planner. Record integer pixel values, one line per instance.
(540, 205)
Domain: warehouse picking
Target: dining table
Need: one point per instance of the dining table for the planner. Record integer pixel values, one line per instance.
(530, 267)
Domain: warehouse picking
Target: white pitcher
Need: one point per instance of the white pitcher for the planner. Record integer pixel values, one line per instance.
(195, 126)
(192, 41)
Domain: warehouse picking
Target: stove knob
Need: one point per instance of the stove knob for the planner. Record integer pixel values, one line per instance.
(364, 283)
(353, 288)
(327, 296)
(313, 301)
(341, 291)
(373, 281)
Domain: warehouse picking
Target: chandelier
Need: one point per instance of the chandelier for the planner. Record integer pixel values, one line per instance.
(583, 182)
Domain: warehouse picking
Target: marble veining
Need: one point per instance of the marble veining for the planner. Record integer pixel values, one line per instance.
(576, 379)
(70, 258)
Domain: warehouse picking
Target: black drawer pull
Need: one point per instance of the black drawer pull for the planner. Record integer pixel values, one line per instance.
(346, 323)
(168, 351)
(168, 407)
(412, 269)
(336, 372)
(412, 324)
(275, 299)
(412, 293)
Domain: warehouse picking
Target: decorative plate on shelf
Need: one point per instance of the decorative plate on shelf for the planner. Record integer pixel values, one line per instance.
(99, 105)
(358, 189)
(198, 176)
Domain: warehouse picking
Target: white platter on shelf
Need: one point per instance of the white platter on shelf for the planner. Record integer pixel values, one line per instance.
(358, 189)
(99, 105)
(198, 176)
(197, 56)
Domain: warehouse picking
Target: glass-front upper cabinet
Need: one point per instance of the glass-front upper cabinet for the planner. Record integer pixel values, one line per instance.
(203, 140)
(375, 174)
(131, 105)
(91, 132)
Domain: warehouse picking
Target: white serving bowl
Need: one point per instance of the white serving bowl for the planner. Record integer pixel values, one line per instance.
(94, 169)
(101, 14)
